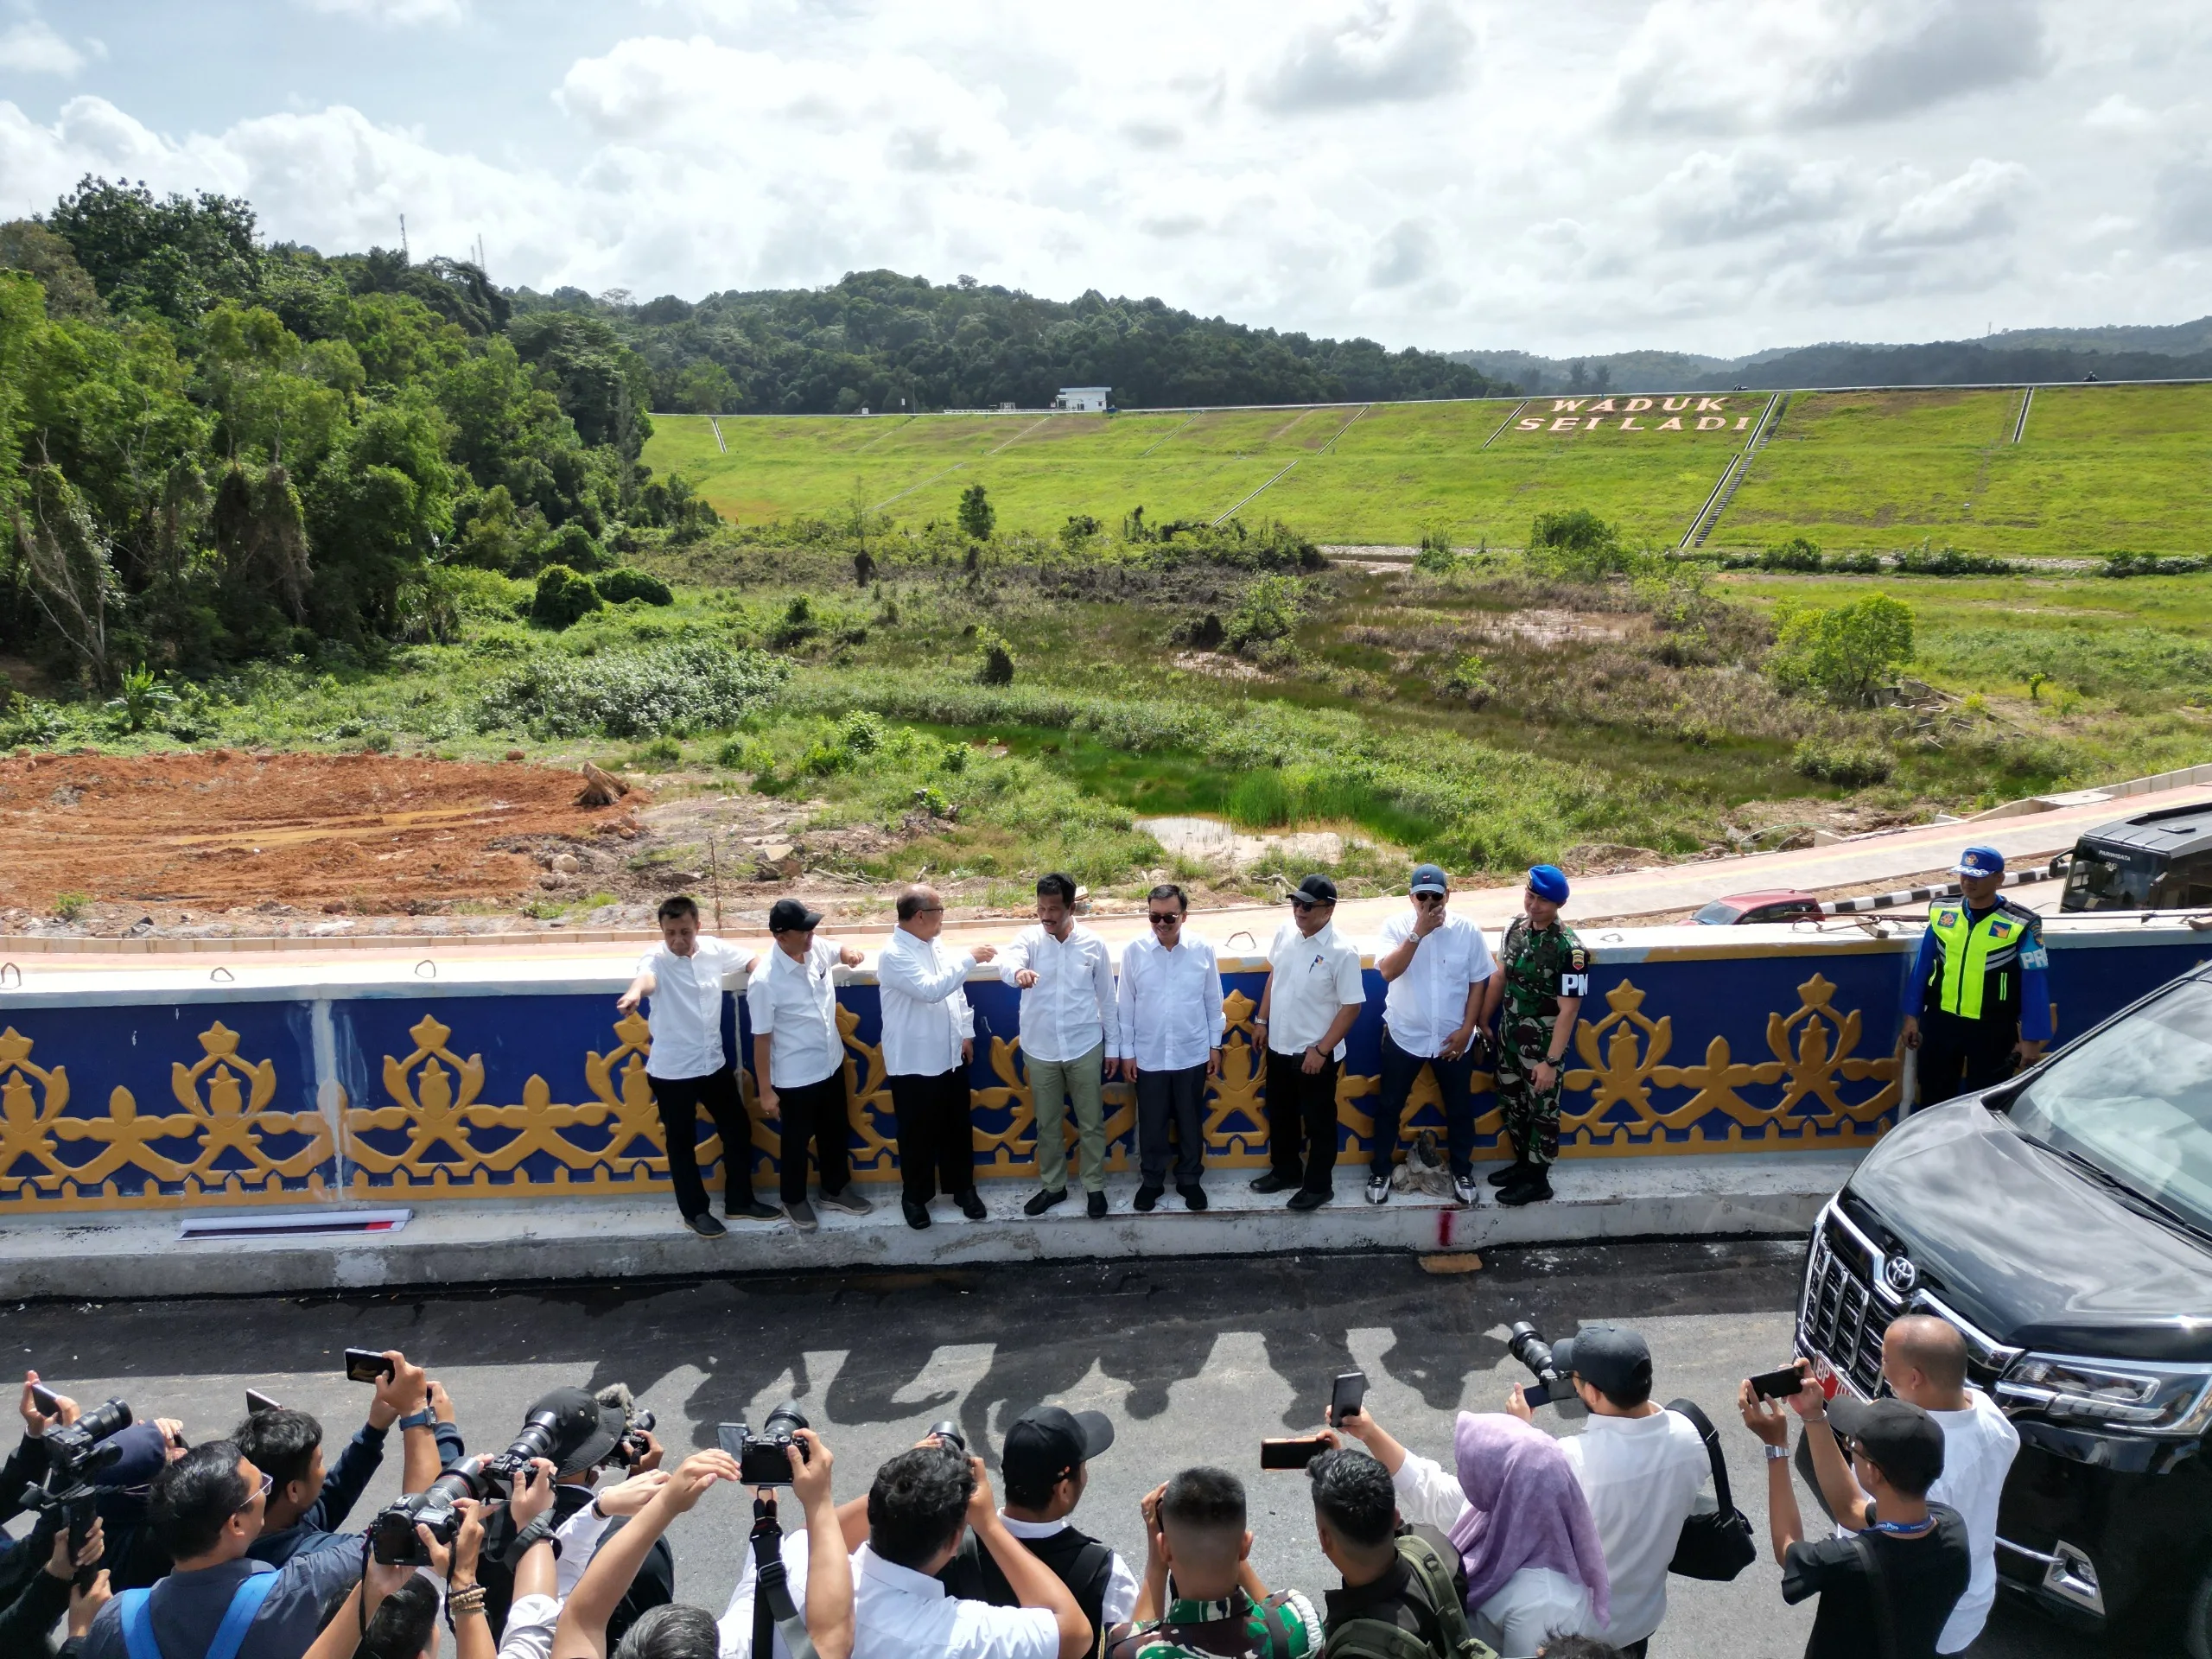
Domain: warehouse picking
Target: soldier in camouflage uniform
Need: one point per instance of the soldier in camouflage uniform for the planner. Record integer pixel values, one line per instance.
(1547, 975)
(1197, 1548)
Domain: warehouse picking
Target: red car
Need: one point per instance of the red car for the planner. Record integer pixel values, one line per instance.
(1778, 904)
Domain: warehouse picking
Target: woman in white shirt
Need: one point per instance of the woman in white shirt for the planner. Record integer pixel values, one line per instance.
(1517, 1514)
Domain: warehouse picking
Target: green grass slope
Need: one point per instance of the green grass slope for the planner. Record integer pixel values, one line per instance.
(2098, 468)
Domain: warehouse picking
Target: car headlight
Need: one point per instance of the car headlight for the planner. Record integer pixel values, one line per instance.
(2154, 1400)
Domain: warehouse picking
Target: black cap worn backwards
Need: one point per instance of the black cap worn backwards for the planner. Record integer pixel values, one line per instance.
(1610, 1358)
(789, 916)
(1896, 1434)
(1046, 1444)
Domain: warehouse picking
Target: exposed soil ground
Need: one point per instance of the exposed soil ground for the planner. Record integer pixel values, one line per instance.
(361, 833)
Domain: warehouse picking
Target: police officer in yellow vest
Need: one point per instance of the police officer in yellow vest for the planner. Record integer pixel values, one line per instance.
(1977, 1006)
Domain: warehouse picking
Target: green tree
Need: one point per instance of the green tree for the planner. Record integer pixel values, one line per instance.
(173, 257)
(564, 597)
(29, 246)
(1850, 654)
(377, 511)
(977, 516)
(705, 388)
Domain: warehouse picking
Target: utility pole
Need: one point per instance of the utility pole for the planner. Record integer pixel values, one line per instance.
(402, 238)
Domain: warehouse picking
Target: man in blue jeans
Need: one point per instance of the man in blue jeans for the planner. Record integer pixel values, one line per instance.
(206, 1511)
(1443, 987)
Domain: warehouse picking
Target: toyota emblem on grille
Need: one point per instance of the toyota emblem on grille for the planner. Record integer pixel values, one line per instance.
(1900, 1274)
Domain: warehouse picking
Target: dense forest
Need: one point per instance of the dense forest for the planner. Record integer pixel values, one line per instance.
(883, 341)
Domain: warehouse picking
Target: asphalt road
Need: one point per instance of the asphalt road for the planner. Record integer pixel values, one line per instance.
(1194, 1362)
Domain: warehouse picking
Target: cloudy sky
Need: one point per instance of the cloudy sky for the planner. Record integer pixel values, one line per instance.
(1716, 175)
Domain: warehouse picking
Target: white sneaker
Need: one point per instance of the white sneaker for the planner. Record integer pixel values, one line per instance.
(1378, 1189)
(1464, 1189)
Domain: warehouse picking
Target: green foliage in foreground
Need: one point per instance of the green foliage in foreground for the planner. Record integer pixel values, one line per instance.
(1848, 654)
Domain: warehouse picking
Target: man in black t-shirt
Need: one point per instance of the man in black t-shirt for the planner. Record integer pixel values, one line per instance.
(1884, 1593)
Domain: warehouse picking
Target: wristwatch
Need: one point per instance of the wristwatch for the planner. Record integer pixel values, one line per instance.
(421, 1419)
(1777, 1453)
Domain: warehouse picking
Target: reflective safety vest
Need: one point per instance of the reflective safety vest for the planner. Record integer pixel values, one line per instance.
(1971, 950)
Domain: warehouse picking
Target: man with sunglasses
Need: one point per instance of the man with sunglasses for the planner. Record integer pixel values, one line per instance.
(1171, 1030)
(1443, 987)
(206, 1509)
(929, 1040)
(1315, 991)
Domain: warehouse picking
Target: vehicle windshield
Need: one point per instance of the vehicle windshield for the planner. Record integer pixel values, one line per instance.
(2094, 883)
(1719, 914)
(2136, 1099)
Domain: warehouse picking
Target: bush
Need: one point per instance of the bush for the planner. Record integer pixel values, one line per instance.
(1436, 555)
(1268, 610)
(1949, 562)
(1795, 554)
(29, 723)
(860, 732)
(995, 659)
(1847, 655)
(1079, 529)
(622, 584)
(1576, 543)
(688, 687)
(2152, 564)
(1854, 765)
(564, 597)
(1468, 679)
(977, 516)
(572, 545)
(799, 625)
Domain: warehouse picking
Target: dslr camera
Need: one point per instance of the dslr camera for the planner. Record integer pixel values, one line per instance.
(73, 1454)
(558, 1428)
(1527, 1345)
(763, 1460)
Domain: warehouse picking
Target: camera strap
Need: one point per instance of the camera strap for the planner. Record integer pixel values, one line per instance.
(771, 1592)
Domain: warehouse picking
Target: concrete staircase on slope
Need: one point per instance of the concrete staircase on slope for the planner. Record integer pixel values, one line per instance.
(1724, 491)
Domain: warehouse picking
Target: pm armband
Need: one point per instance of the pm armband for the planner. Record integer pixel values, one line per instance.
(1575, 984)
(2035, 958)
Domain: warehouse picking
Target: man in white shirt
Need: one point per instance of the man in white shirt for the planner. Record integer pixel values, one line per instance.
(1065, 974)
(687, 1067)
(1315, 991)
(1171, 1027)
(1924, 1362)
(1640, 1468)
(1443, 987)
(929, 1040)
(799, 1059)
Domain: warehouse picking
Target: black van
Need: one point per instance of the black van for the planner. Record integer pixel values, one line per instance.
(2062, 1221)
(2155, 861)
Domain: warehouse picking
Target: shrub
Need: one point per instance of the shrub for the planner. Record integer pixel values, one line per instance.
(29, 723)
(564, 597)
(799, 625)
(1268, 610)
(746, 754)
(658, 755)
(1847, 655)
(995, 659)
(1854, 765)
(977, 516)
(1468, 679)
(677, 689)
(1436, 555)
(144, 696)
(622, 584)
(1205, 633)
(1576, 543)
(1079, 529)
(1795, 554)
(572, 545)
(68, 907)
(860, 732)
(1949, 562)
(2150, 564)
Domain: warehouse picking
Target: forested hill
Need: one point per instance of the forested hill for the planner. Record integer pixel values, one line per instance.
(878, 338)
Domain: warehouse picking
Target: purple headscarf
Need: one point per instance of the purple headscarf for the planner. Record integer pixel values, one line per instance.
(1528, 1510)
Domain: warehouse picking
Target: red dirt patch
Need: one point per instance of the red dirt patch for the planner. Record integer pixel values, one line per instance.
(371, 833)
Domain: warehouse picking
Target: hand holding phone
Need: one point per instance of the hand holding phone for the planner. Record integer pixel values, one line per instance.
(366, 1365)
(1777, 1384)
(1347, 1396)
(1295, 1452)
(47, 1401)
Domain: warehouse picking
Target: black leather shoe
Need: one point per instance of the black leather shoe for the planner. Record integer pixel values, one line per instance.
(705, 1226)
(1097, 1206)
(1146, 1198)
(1537, 1189)
(753, 1209)
(1308, 1198)
(1272, 1182)
(1193, 1196)
(918, 1215)
(1512, 1172)
(1043, 1201)
(971, 1204)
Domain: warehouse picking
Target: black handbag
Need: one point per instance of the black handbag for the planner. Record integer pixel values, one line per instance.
(1718, 1545)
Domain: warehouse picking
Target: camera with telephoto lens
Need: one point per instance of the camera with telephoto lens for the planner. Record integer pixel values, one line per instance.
(1525, 1343)
(763, 1459)
(75, 1453)
(557, 1428)
(949, 1434)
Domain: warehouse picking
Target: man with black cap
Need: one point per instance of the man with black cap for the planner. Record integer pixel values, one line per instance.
(1640, 1468)
(687, 1067)
(799, 1059)
(1888, 1590)
(1547, 975)
(1044, 1468)
(1315, 993)
(1443, 991)
(1983, 967)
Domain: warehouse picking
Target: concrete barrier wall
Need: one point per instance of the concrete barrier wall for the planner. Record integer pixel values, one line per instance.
(169, 1088)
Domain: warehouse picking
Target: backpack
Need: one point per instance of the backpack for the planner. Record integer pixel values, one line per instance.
(1375, 1638)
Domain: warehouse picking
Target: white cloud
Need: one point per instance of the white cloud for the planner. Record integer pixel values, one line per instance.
(2120, 113)
(2182, 202)
(1727, 66)
(398, 14)
(1712, 198)
(1374, 55)
(32, 48)
(1976, 205)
